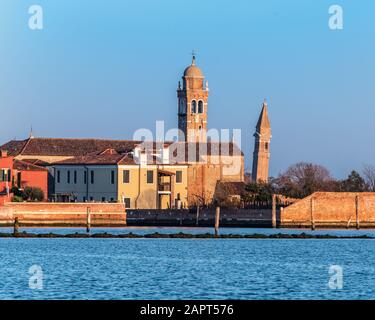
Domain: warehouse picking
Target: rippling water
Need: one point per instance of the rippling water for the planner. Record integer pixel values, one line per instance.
(186, 268)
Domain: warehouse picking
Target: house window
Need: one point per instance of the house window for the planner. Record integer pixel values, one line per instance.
(68, 177)
(200, 106)
(85, 177)
(19, 179)
(127, 202)
(5, 175)
(126, 176)
(178, 176)
(84, 199)
(75, 177)
(150, 176)
(103, 199)
(58, 176)
(266, 145)
(112, 200)
(194, 106)
(92, 177)
(91, 199)
(112, 177)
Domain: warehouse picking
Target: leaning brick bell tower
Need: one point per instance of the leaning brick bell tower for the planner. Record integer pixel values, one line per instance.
(261, 155)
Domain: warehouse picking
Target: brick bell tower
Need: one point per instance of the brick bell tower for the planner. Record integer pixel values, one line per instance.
(261, 155)
(192, 105)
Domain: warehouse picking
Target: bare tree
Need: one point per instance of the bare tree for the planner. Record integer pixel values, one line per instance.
(369, 175)
(303, 179)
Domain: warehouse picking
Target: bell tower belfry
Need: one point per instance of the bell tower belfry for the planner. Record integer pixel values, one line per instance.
(261, 155)
(192, 105)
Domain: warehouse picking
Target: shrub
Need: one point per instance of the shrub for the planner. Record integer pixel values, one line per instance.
(17, 199)
(36, 194)
(28, 194)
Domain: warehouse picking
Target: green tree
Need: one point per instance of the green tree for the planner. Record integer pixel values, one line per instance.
(353, 183)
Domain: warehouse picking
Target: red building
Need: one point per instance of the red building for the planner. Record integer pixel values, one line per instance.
(26, 174)
(20, 174)
(6, 169)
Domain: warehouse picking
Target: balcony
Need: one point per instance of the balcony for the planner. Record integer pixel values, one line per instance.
(164, 187)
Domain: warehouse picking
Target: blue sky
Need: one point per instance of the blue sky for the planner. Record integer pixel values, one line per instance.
(105, 68)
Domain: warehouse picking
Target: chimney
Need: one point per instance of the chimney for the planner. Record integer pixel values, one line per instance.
(3, 153)
(165, 155)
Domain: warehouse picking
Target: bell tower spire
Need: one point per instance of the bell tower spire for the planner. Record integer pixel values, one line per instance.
(261, 155)
(192, 104)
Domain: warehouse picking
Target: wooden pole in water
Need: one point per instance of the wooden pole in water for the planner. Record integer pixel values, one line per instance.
(312, 205)
(357, 211)
(217, 221)
(16, 226)
(197, 219)
(88, 220)
(274, 211)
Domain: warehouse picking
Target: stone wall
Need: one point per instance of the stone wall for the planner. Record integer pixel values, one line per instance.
(331, 209)
(63, 214)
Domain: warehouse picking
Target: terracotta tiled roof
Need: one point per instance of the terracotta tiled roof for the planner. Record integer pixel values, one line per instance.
(37, 162)
(98, 159)
(66, 147)
(88, 151)
(26, 166)
(14, 147)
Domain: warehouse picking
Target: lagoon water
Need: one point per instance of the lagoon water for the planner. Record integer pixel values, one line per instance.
(187, 268)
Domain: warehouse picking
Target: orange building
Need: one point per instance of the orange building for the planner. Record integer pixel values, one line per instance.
(26, 174)
(6, 168)
(20, 174)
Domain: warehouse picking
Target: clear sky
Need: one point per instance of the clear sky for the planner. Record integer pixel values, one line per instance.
(105, 68)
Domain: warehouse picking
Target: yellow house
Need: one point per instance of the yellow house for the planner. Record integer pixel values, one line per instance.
(153, 186)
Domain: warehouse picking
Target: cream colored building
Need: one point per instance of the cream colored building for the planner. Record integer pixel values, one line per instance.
(125, 178)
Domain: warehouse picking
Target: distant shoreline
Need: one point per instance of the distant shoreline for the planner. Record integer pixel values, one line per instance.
(180, 235)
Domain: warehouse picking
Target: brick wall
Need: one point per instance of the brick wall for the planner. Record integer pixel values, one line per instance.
(331, 209)
(63, 214)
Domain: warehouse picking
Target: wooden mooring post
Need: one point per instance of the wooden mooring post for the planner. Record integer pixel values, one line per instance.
(357, 212)
(197, 218)
(274, 222)
(16, 226)
(217, 221)
(88, 220)
(312, 208)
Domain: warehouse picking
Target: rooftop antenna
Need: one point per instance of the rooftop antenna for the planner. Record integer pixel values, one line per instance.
(31, 136)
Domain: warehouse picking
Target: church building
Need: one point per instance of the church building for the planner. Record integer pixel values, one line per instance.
(187, 171)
